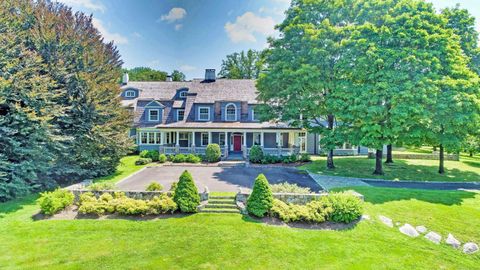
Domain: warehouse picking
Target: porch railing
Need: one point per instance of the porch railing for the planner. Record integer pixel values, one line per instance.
(172, 150)
(279, 151)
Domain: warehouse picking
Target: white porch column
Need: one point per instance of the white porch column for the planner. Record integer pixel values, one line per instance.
(209, 137)
(262, 139)
(162, 137)
(278, 143)
(245, 150)
(193, 135)
(226, 144)
(177, 143)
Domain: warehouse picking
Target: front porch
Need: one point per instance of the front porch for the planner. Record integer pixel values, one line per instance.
(280, 143)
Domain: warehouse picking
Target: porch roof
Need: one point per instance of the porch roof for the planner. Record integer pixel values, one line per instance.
(227, 125)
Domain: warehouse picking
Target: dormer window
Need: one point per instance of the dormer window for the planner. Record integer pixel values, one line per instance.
(180, 115)
(231, 112)
(153, 115)
(183, 94)
(130, 93)
(204, 113)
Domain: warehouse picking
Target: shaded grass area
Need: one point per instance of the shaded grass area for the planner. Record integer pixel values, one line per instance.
(125, 168)
(465, 170)
(230, 241)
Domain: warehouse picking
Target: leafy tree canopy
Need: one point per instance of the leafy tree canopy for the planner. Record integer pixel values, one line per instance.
(243, 65)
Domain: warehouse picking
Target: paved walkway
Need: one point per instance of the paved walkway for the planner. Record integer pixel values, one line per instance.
(328, 182)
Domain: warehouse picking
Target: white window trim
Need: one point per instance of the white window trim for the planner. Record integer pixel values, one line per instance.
(203, 107)
(183, 94)
(127, 93)
(226, 110)
(156, 137)
(180, 110)
(150, 115)
(201, 138)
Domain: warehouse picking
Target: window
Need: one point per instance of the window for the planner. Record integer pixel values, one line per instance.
(183, 136)
(221, 139)
(130, 93)
(150, 138)
(180, 115)
(254, 116)
(204, 113)
(153, 115)
(231, 112)
(257, 138)
(183, 94)
(204, 139)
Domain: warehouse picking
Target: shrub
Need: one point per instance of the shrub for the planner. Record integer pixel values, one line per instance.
(153, 155)
(143, 161)
(314, 211)
(191, 158)
(304, 157)
(186, 194)
(162, 158)
(180, 158)
(289, 188)
(129, 206)
(173, 187)
(213, 153)
(144, 154)
(86, 197)
(346, 207)
(256, 154)
(261, 199)
(154, 186)
(101, 186)
(161, 205)
(55, 201)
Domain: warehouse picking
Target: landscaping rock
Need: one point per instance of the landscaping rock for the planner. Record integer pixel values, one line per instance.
(434, 237)
(470, 248)
(409, 230)
(421, 229)
(452, 241)
(365, 217)
(387, 221)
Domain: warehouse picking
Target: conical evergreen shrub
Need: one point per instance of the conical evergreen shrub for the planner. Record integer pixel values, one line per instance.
(186, 194)
(261, 199)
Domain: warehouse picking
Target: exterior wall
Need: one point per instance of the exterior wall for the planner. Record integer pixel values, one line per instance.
(129, 89)
(249, 139)
(133, 132)
(142, 147)
(270, 140)
(196, 114)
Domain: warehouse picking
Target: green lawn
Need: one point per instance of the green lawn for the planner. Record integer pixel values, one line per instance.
(465, 170)
(125, 168)
(229, 241)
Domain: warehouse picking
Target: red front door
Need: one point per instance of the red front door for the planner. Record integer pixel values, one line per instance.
(237, 143)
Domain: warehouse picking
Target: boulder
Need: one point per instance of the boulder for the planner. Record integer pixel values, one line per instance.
(421, 229)
(365, 217)
(452, 241)
(470, 248)
(387, 221)
(409, 230)
(434, 237)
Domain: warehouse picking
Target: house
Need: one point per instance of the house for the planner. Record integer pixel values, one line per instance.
(184, 117)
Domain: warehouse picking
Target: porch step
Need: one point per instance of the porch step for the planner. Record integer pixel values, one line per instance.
(225, 206)
(220, 210)
(221, 197)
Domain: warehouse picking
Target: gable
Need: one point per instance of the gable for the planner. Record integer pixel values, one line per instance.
(154, 104)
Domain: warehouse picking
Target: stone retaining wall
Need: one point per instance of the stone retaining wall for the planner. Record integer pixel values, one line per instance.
(419, 156)
(294, 198)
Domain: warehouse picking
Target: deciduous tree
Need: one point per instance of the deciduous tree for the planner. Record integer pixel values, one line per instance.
(242, 65)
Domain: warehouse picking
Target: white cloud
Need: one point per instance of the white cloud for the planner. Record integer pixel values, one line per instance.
(244, 28)
(107, 35)
(88, 4)
(173, 15)
(187, 68)
(137, 35)
(178, 26)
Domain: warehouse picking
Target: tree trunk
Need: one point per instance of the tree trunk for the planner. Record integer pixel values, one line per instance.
(471, 154)
(435, 148)
(330, 164)
(389, 154)
(378, 162)
(441, 168)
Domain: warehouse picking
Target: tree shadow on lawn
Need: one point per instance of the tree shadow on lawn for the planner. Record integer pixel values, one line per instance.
(327, 225)
(376, 195)
(472, 163)
(16, 205)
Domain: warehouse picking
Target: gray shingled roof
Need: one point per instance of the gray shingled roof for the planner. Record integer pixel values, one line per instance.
(157, 90)
(226, 125)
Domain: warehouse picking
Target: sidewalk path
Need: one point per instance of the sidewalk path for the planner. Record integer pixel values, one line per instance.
(328, 182)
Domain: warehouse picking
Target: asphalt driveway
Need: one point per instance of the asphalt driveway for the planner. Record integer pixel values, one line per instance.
(217, 178)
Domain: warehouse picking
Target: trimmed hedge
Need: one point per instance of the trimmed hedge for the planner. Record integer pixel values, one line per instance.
(256, 154)
(186, 194)
(213, 153)
(119, 203)
(55, 201)
(289, 188)
(337, 207)
(154, 186)
(162, 158)
(261, 199)
(151, 154)
(101, 186)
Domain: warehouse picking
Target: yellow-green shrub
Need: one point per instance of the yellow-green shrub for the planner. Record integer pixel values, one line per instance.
(55, 201)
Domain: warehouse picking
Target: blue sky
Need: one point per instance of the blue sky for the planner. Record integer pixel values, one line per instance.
(192, 35)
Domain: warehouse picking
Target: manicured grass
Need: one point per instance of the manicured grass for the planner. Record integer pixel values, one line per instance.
(125, 168)
(230, 241)
(465, 170)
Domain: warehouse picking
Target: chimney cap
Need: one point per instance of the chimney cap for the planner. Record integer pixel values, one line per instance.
(210, 75)
(168, 78)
